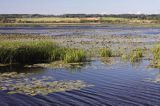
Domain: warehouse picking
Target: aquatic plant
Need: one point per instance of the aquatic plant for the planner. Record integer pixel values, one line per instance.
(21, 83)
(156, 51)
(136, 54)
(75, 55)
(32, 52)
(156, 56)
(58, 53)
(28, 52)
(105, 52)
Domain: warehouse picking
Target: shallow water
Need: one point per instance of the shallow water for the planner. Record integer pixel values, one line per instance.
(119, 84)
(82, 30)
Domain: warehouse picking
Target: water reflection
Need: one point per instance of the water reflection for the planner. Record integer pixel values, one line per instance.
(20, 69)
(137, 63)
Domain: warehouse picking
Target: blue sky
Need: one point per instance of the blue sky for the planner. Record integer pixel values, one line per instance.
(79, 6)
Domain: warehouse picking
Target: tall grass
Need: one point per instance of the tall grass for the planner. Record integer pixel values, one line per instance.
(28, 52)
(58, 53)
(32, 52)
(74, 55)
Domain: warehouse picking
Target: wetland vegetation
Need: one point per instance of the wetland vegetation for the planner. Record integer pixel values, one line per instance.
(32, 52)
(80, 63)
(36, 20)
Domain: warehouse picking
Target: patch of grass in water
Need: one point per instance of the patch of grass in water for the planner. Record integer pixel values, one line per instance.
(75, 55)
(133, 56)
(105, 52)
(156, 56)
(33, 52)
(136, 55)
(28, 52)
(58, 53)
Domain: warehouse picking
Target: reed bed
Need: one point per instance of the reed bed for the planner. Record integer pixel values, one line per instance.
(28, 52)
(32, 52)
(136, 54)
(156, 56)
(105, 52)
(74, 55)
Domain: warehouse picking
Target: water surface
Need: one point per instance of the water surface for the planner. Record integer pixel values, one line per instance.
(120, 84)
(82, 30)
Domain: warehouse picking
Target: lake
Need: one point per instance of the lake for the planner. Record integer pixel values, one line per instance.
(112, 84)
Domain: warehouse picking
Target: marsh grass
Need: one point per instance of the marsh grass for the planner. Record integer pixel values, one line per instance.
(32, 52)
(156, 51)
(75, 55)
(136, 55)
(105, 52)
(156, 56)
(58, 53)
(28, 52)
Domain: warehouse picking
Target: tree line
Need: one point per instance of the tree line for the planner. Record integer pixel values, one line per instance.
(129, 16)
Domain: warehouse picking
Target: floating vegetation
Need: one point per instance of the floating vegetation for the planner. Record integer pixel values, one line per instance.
(12, 75)
(19, 83)
(61, 64)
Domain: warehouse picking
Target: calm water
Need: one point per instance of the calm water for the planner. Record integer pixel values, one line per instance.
(120, 84)
(82, 30)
